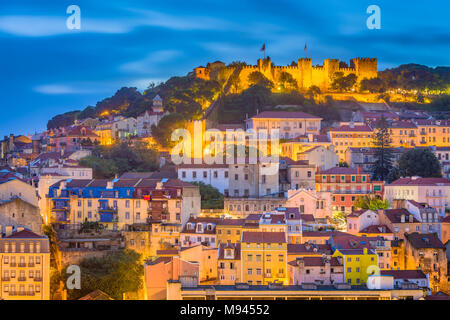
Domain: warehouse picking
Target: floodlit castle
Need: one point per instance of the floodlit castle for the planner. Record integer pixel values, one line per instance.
(304, 73)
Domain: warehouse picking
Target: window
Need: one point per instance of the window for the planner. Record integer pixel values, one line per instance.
(194, 174)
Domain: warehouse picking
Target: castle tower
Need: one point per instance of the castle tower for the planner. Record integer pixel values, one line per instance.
(265, 67)
(202, 73)
(305, 69)
(365, 68)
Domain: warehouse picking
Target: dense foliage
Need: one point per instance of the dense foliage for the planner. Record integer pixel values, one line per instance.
(162, 133)
(115, 274)
(419, 162)
(211, 196)
(106, 161)
(371, 203)
(234, 108)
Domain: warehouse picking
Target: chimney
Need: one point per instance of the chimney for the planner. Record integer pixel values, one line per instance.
(109, 185)
(20, 229)
(411, 218)
(159, 185)
(402, 218)
(310, 137)
(351, 124)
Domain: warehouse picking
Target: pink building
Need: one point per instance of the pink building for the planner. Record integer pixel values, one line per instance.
(318, 270)
(163, 269)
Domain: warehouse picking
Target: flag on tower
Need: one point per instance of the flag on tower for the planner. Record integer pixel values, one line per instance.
(263, 48)
(306, 49)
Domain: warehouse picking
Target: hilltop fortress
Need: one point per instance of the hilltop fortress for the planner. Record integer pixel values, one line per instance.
(304, 73)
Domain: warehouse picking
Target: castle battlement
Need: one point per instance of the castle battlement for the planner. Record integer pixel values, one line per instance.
(304, 72)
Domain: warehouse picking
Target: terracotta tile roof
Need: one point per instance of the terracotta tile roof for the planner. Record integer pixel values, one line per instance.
(320, 262)
(404, 274)
(340, 170)
(308, 248)
(263, 237)
(402, 124)
(348, 241)
(158, 260)
(25, 234)
(231, 222)
(356, 128)
(376, 229)
(284, 115)
(424, 240)
(420, 182)
(355, 251)
(394, 215)
(322, 233)
(235, 246)
(446, 219)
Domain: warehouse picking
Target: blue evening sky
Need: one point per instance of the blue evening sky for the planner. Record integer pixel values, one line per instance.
(47, 69)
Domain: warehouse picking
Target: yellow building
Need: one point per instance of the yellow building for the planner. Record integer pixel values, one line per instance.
(350, 135)
(358, 264)
(25, 266)
(264, 257)
(229, 230)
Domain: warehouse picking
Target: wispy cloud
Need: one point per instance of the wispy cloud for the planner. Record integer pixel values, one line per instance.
(151, 61)
(59, 89)
(43, 26)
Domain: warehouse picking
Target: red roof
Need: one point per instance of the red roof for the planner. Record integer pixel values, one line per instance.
(356, 128)
(395, 215)
(424, 240)
(341, 170)
(404, 274)
(263, 237)
(284, 115)
(417, 181)
(25, 234)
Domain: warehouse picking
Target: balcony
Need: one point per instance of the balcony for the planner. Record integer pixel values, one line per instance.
(107, 209)
(6, 278)
(312, 128)
(30, 293)
(22, 279)
(60, 216)
(13, 264)
(22, 265)
(109, 217)
(37, 279)
(31, 264)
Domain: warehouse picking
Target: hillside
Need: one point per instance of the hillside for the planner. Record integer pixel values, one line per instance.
(190, 96)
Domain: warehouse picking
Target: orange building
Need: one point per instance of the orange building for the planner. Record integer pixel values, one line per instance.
(346, 184)
(350, 135)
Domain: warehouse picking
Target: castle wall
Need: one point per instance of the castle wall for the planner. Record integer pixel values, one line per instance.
(304, 73)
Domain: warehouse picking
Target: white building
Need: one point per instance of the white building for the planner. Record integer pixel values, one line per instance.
(145, 121)
(433, 191)
(290, 124)
(214, 174)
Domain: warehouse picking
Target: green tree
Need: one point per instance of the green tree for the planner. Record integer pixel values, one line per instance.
(115, 274)
(372, 85)
(162, 133)
(287, 82)
(257, 78)
(370, 203)
(419, 162)
(211, 196)
(384, 154)
(343, 83)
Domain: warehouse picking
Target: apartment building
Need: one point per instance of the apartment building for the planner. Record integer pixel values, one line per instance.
(346, 184)
(433, 191)
(350, 135)
(229, 263)
(25, 266)
(264, 257)
(324, 270)
(121, 202)
(290, 124)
